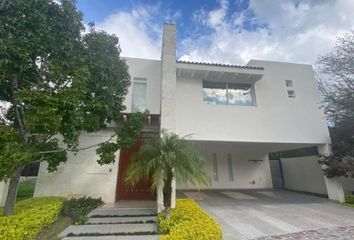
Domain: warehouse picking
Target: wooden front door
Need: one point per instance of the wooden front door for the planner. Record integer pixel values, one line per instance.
(141, 190)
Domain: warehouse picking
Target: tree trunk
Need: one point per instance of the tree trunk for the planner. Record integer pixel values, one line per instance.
(12, 192)
(167, 194)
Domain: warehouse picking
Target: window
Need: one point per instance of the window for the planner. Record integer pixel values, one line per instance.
(215, 167)
(289, 83)
(214, 93)
(227, 94)
(231, 170)
(291, 93)
(239, 94)
(139, 95)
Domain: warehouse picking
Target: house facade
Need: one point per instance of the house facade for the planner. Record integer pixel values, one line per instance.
(237, 115)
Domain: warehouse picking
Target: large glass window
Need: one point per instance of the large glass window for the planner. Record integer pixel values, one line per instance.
(139, 95)
(215, 93)
(227, 94)
(239, 94)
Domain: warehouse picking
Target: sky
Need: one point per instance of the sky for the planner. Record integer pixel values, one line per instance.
(225, 31)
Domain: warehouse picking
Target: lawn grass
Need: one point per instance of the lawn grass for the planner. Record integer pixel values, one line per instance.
(26, 189)
(53, 230)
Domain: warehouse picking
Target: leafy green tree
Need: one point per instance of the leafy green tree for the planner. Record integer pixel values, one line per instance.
(337, 88)
(58, 82)
(162, 159)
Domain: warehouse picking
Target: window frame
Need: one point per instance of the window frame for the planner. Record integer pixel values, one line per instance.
(289, 83)
(252, 91)
(140, 80)
(291, 94)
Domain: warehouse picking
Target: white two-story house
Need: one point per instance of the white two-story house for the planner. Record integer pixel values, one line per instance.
(237, 115)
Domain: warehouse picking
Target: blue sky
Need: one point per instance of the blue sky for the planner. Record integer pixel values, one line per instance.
(230, 31)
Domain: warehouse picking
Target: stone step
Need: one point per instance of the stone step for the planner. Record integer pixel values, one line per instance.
(109, 212)
(138, 237)
(110, 220)
(110, 229)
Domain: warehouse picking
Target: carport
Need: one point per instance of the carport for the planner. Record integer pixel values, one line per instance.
(258, 214)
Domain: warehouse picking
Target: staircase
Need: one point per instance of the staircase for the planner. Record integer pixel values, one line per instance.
(116, 223)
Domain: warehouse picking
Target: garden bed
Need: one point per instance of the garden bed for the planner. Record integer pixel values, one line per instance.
(189, 222)
(30, 218)
(349, 200)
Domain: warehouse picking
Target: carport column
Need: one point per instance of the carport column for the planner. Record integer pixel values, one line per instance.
(3, 192)
(334, 185)
(168, 93)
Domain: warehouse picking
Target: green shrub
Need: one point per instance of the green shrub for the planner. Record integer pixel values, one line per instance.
(189, 222)
(349, 199)
(77, 209)
(31, 217)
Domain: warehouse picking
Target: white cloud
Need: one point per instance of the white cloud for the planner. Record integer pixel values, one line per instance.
(297, 31)
(139, 35)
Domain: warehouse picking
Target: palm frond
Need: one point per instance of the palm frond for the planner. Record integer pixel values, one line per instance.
(164, 154)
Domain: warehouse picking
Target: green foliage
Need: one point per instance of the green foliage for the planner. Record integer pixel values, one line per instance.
(127, 133)
(337, 84)
(13, 151)
(168, 153)
(189, 222)
(162, 159)
(349, 199)
(58, 81)
(77, 209)
(31, 217)
(337, 87)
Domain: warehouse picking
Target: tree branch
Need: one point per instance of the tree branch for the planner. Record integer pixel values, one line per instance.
(18, 117)
(78, 149)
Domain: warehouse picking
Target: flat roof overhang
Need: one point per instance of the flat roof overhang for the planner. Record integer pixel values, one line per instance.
(252, 147)
(219, 72)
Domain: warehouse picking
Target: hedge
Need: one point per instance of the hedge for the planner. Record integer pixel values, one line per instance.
(189, 222)
(30, 218)
(349, 199)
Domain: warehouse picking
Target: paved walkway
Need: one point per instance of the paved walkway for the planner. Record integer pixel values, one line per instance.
(257, 214)
(338, 233)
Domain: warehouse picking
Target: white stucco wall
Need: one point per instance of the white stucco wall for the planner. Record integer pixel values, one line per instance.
(4, 186)
(303, 174)
(81, 175)
(151, 71)
(275, 118)
(247, 174)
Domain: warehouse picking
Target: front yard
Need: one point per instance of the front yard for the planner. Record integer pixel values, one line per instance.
(43, 218)
(30, 218)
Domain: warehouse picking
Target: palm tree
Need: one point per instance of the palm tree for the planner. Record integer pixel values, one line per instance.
(163, 158)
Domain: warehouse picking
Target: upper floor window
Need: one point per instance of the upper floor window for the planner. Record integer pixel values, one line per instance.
(139, 95)
(227, 93)
(289, 83)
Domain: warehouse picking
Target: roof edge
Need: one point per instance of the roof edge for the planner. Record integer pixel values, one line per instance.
(221, 65)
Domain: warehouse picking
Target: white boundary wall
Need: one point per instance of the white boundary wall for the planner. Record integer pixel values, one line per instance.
(3, 192)
(81, 175)
(303, 174)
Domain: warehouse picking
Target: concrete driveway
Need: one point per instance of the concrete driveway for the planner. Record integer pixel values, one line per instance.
(266, 214)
